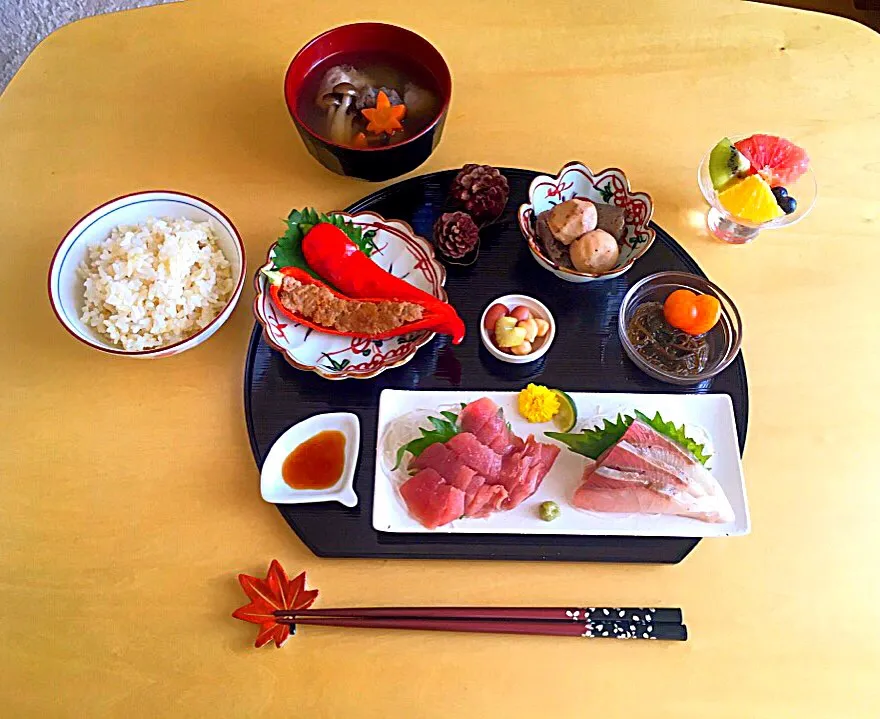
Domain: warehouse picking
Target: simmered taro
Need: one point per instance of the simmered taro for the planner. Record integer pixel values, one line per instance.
(581, 235)
(664, 346)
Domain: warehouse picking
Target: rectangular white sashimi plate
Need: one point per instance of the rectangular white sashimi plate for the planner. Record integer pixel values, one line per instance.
(708, 418)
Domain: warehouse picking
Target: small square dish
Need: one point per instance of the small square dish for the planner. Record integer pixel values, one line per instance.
(274, 489)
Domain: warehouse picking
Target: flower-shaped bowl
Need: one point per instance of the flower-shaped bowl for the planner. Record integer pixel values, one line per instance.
(609, 187)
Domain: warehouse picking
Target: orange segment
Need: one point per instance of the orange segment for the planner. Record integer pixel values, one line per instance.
(751, 199)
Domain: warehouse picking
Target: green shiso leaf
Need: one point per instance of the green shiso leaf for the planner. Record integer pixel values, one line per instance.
(288, 250)
(676, 434)
(592, 442)
(443, 430)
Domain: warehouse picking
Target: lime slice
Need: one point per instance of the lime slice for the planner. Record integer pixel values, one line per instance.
(567, 416)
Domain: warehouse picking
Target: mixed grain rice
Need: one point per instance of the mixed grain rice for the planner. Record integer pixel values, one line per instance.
(156, 283)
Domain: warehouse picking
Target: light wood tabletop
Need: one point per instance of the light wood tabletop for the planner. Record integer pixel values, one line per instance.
(129, 498)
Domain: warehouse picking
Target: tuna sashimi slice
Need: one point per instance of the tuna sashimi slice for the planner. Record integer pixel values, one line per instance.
(435, 456)
(485, 420)
(482, 416)
(432, 501)
(516, 466)
(522, 472)
(447, 464)
(488, 499)
(468, 482)
(483, 469)
(526, 487)
(476, 455)
(549, 453)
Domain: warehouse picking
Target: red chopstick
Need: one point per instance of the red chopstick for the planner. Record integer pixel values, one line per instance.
(594, 629)
(659, 615)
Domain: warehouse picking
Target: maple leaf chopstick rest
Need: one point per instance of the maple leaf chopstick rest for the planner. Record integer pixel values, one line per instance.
(274, 593)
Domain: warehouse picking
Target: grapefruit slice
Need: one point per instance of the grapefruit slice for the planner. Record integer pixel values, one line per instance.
(779, 161)
(751, 199)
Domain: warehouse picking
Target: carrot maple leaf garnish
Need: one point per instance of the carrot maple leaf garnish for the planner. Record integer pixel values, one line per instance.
(269, 595)
(385, 117)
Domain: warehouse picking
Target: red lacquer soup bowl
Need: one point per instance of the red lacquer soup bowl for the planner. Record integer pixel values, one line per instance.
(369, 163)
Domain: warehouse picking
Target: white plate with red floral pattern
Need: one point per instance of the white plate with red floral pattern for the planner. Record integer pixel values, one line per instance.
(402, 253)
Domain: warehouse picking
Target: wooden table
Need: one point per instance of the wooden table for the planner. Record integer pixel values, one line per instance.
(129, 497)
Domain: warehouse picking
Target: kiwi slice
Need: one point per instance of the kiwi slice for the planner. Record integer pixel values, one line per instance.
(725, 163)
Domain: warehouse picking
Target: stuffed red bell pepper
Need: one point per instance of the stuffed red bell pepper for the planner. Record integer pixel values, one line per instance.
(337, 259)
(307, 300)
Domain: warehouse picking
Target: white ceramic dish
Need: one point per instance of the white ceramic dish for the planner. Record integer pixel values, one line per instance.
(609, 187)
(66, 286)
(274, 489)
(712, 413)
(401, 252)
(538, 310)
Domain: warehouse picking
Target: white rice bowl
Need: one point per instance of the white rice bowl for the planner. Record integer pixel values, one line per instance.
(156, 283)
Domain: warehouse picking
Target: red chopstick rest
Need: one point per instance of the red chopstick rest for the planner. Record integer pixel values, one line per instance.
(275, 593)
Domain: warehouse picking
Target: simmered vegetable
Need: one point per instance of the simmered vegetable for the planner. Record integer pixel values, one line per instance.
(385, 117)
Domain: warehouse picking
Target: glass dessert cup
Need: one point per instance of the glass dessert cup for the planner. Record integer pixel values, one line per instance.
(737, 231)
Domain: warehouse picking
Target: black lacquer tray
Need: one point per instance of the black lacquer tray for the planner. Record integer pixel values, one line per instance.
(586, 356)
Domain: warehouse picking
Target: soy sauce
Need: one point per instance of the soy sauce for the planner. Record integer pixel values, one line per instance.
(317, 463)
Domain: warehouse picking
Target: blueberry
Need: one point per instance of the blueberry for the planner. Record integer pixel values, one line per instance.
(779, 193)
(787, 204)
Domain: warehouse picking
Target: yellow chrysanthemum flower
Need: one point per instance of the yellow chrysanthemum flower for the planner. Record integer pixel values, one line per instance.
(537, 403)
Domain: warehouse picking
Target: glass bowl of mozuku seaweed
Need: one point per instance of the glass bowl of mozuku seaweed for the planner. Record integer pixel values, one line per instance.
(668, 354)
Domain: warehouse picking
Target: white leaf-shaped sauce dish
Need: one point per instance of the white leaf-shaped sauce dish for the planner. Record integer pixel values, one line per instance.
(272, 485)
